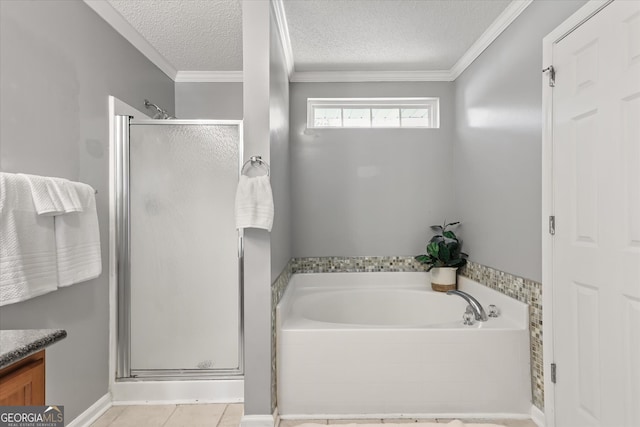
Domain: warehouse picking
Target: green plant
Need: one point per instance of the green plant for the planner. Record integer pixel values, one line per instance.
(444, 249)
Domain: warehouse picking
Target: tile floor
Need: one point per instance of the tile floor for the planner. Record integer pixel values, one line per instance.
(201, 415)
(223, 415)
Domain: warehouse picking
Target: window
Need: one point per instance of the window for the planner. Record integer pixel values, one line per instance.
(373, 113)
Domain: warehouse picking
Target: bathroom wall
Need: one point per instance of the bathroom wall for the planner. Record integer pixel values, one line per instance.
(216, 101)
(365, 192)
(256, 51)
(280, 159)
(266, 126)
(498, 144)
(280, 174)
(59, 62)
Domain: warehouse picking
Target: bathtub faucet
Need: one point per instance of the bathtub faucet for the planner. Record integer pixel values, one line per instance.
(475, 305)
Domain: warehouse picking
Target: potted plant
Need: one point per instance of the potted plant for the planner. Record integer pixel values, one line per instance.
(443, 257)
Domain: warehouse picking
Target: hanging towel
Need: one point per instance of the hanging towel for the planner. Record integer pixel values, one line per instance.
(67, 192)
(27, 244)
(78, 240)
(254, 203)
(53, 196)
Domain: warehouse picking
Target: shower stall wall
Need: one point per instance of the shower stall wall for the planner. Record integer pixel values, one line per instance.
(179, 254)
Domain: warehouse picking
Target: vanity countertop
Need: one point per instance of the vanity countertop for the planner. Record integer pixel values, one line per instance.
(16, 344)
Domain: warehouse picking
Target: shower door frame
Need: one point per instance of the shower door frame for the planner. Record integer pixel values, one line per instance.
(123, 262)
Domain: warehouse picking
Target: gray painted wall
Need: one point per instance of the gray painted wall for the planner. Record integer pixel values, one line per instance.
(358, 192)
(58, 63)
(256, 30)
(217, 101)
(280, 171)
(498, 144)
(266, 130)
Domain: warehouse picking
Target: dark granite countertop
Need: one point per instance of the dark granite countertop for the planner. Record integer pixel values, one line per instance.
(20, 343)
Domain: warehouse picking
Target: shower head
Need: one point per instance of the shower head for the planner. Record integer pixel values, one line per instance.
(160, 113)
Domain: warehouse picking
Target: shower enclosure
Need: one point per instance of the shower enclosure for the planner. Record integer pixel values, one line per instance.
(179, 255)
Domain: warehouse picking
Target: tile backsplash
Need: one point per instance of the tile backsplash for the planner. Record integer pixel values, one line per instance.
(524, 290)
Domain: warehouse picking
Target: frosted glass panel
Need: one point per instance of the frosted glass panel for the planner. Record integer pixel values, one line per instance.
(184, 247)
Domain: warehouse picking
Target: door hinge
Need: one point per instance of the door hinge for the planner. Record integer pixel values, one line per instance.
(552, 225)
(552, 75)
(553, 373)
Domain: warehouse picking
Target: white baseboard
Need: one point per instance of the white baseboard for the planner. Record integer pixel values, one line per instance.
(537, 416)
(92, 413)
(177, 392)
(257, 421)
(429, 415)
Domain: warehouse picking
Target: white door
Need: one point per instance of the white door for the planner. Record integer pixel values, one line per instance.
(596, 252)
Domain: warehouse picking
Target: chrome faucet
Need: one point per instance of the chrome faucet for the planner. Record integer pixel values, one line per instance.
(475, 305)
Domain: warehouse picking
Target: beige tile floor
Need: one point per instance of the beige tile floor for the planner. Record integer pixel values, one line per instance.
(201, 415)
(223, 415)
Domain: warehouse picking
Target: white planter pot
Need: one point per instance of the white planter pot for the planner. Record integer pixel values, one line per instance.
(443, 278)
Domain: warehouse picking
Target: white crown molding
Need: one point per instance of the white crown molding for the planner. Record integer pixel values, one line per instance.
(283, 30)
(508, 15)
(371, 76)
(511, 12)
(106, 11)
(208, 77)
(122, 26)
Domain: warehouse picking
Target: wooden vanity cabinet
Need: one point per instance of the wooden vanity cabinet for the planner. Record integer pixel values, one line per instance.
(22, 383)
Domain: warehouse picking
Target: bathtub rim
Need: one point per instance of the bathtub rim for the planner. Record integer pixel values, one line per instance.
(514, 315)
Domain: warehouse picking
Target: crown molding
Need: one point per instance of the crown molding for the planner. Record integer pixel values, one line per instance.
(283, 30)
(106, 11)
(208, 77)
(508, 15)
(371, 76)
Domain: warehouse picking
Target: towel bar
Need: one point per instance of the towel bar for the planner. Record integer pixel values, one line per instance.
(252, 161)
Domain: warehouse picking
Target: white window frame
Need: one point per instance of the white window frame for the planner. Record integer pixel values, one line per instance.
(430, 103)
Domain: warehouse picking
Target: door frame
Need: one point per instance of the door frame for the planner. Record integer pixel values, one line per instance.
(569, 25)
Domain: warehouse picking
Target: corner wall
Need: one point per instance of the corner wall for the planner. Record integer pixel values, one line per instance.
(498, 144)
(59, 62)
(266, 134)
(280, 156)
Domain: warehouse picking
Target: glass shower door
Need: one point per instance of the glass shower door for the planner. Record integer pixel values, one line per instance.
(184, 284)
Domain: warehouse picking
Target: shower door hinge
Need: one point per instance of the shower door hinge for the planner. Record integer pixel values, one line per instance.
(553, 373)
(552, 75)
(552, 225)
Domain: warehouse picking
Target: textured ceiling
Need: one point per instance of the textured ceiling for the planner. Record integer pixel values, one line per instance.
(326, 35)
(385, 35)
(193, 35)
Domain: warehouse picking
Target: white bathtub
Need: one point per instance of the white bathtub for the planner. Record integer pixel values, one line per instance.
(385, 344)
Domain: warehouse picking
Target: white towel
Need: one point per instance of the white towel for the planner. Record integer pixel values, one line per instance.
(53, 196)
(78, 240)
(68, 194)
(254, 203)
(27, 244)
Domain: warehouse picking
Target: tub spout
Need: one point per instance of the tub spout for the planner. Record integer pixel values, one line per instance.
(475, 305)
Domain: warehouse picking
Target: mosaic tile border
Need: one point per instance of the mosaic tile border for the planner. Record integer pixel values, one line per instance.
(277, 290)
(524, 290)
(367, 264)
